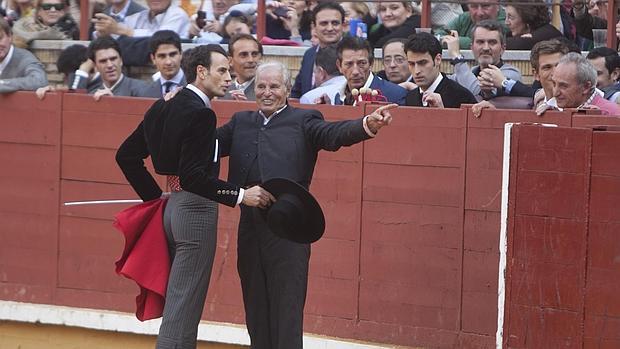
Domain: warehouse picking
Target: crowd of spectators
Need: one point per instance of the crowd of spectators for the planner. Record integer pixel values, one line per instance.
(337, 67)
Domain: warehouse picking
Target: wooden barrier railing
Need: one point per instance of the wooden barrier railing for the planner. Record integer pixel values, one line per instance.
(410, 253)
(562, 270)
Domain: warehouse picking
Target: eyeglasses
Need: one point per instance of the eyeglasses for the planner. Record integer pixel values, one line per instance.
(397, 59)
(599, 3)
(57, 7)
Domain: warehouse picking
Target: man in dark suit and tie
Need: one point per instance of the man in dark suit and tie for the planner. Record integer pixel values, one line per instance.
(19, 69)
(279, 141)
(327, 21)
(165, 48)
(355, 59)
(434, 88)
(180, 137)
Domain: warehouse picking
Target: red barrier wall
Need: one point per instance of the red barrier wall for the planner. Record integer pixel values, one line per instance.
(410, 253)
(563, 270)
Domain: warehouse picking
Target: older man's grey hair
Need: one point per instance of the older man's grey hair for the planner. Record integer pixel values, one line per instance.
(584, 71)
(275, 65)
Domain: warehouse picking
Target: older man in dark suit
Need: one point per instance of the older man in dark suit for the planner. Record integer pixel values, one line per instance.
(180, 137)
(279, 141)
(434, 88)
(19, 69)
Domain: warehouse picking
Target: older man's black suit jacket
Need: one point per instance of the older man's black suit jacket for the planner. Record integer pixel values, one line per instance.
(286, 147)
(180, 137)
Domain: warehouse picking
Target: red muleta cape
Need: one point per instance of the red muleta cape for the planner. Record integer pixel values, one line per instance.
(145, 258)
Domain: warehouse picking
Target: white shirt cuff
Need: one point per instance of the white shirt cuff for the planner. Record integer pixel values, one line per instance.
(368, 131)
(81, 73)
(240, 197)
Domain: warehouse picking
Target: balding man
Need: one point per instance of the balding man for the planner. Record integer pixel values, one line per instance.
(574, 86)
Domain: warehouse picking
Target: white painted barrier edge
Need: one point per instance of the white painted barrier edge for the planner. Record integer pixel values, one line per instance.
(503, 237)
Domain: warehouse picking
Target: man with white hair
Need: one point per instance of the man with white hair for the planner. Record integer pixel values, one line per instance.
(279, 141)
(574, 85)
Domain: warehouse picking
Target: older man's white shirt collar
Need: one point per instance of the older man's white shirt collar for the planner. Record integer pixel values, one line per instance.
(7, 59)
(267, 119)
(200, 94)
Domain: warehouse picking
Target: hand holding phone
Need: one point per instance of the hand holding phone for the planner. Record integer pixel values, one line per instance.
(201, 17)
(281, 11)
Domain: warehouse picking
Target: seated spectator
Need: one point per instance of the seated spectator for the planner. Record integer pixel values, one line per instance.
(395, 66)
(211, 28)
(491, 76)
(106, 55)
(397, 21)
(165, 47)
(17, 9)
(443, 13)
(235, 24)
(588, 15)
(160, 15)
(245, 53)
(574, 86)
(551, 50)
(544, 58)
(463, 25)
(528, 24)
(434, 88)
(327, 20)
(607, 64)
(50, 21)
(293, 25)
(120, 9)
(327, 77)
(357, 10)
(20, 70)
(355, 59)
(69, 60)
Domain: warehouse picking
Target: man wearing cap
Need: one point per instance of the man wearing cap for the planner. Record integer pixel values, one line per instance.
(280, 141)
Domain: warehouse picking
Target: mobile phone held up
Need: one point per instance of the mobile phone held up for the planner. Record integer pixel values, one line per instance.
(201, 17)
(281, 11)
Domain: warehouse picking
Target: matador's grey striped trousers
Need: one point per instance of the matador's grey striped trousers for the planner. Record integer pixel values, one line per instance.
(190, 222)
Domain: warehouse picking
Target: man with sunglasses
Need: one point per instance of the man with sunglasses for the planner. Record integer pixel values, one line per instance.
(19, 69)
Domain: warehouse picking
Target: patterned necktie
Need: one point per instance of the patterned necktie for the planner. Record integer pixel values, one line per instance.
(168, 86)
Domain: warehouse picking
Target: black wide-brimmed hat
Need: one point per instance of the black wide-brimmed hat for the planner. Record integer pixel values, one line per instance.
(296, 215)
